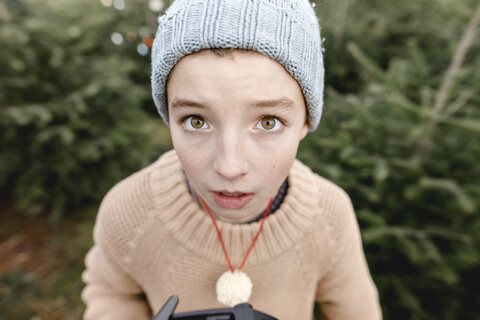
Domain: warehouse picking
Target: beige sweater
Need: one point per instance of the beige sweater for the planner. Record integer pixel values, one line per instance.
(152, 240)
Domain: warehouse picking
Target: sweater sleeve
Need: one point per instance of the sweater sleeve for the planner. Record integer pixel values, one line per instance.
(347, 290)
(111, 292)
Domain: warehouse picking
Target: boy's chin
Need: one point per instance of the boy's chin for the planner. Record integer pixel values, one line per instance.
(236, 218)
(242, 209)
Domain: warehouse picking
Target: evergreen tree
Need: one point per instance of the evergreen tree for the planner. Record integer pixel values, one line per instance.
(400, 133)
(72, 119)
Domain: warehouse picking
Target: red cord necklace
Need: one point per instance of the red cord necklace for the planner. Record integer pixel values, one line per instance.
(234, 286)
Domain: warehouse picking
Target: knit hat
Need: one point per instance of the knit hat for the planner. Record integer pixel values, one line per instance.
(284, 30)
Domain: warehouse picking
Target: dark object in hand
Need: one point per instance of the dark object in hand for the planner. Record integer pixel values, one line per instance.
(242, 311)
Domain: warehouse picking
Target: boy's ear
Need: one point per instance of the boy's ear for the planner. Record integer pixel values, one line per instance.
(305, 129)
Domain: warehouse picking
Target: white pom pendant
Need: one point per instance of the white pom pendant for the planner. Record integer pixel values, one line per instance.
(233, 288)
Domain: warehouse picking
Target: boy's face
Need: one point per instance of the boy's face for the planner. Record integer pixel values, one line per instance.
(236, 122)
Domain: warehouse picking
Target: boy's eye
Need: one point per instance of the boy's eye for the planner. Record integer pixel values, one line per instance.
(195, 123)
(269, 123)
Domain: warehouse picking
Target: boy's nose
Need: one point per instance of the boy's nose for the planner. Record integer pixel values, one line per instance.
(231, 159)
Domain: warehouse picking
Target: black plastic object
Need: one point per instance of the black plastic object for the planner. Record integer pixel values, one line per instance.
(242, 311)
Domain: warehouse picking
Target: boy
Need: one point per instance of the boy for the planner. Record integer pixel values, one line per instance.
(230, 216)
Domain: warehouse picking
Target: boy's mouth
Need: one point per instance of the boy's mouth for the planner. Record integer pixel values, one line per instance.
(231, 194)
(232, 200)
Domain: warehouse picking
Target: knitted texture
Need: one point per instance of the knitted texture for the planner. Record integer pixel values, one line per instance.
(153, 240)
(284, 30)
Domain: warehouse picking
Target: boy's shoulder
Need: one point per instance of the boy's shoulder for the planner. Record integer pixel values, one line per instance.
(332, 206)
(130, 204)
(334, 224)
(135, 192)
(319, 188)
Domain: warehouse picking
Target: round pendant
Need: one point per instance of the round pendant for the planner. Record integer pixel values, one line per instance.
(233, 288)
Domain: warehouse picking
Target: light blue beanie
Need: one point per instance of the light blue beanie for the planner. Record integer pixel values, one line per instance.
(284, 30)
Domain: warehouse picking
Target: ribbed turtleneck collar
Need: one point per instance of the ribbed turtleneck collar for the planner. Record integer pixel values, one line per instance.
(192, 227)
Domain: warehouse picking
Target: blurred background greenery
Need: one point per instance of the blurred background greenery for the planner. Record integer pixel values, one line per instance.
(400, 133)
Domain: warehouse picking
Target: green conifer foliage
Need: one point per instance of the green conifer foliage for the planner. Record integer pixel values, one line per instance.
(401, 134)
(71, 116)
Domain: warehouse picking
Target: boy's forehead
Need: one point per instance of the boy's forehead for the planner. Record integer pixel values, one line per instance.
(237, 84)
(228, 59)
(243, 78)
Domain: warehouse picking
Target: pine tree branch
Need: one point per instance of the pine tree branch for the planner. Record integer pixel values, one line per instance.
(459, 103)
(448, 81)
(4, 13)
(457, 62)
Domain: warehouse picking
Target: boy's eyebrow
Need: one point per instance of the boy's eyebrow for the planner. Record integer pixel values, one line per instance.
(179, 103)
(282, 102)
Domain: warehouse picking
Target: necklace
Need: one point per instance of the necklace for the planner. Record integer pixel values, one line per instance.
(234, 286)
